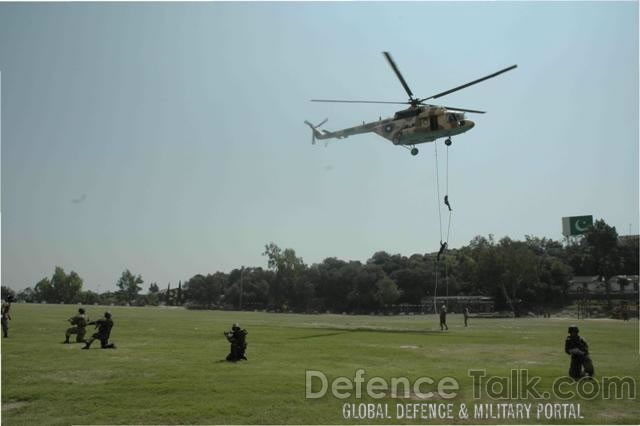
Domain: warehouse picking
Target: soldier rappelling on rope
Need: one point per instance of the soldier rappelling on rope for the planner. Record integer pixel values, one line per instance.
(443, 247)
(446, 202)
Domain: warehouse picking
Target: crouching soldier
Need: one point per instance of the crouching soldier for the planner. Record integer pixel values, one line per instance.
(577, 347)
(104, 327)
(238, 339)
(79, 323)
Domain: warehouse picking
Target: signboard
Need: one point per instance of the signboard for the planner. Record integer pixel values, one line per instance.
(576, 225)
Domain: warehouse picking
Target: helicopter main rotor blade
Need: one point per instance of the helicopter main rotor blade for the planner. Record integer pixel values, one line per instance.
(358, 102)
(470, 83)
(397, 71)
(465, 110)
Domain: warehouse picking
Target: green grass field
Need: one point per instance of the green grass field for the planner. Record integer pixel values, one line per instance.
(168, 366)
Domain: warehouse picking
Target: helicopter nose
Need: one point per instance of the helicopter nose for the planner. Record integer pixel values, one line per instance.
(468, 124)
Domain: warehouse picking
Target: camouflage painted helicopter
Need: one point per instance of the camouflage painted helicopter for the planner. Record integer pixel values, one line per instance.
(417, 124)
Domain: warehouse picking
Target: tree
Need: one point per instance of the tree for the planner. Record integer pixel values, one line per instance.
(363, 296)
(43, 290)
(89, 297)
(287, 287)
(27, 295)
(578, 256)
(166, 298)
(388, 263)
(66, 288)
(629, 248)
(60, 288)
(331, 284)
(129, 286)
(388, 292)
(414, 282)
(206, 290)
(519, 270)
(153, 295)
(602, 241)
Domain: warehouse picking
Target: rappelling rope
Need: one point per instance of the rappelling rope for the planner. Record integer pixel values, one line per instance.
(446, 241)
(446, 273)
(435, 145)
(435, 290)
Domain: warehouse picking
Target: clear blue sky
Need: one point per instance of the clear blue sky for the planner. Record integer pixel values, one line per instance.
(168, 139)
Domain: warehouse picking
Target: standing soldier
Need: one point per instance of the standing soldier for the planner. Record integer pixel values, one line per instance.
(443, 318)
(104, 331)
(577, 347)
(466, 315)
(238, 339)
(625, 311)
(6, 305)
(79, 323)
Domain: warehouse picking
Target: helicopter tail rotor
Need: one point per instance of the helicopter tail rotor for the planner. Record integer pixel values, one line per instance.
(314, 130)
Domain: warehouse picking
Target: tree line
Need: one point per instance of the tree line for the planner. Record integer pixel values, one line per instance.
(519, 275)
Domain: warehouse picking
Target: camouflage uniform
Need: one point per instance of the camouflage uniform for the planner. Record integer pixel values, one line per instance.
(446, 202)
(6, 317)
(238, 339)
(443, 318)
(466, 316)
(577, 347)
(104, 331)
(443, 247)
(80, 323)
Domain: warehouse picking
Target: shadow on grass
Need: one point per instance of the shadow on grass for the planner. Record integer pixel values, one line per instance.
(313, 336)
(338, 331)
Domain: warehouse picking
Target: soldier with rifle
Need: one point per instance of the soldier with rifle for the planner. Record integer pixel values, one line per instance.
(443, 318)
(577, 347)
(238, 339)
(6, 305)
(79, 323)
(104, 327)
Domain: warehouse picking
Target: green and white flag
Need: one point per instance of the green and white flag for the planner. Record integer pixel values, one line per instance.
(576, 225)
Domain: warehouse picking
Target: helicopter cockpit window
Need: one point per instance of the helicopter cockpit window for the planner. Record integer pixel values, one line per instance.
(452, 118)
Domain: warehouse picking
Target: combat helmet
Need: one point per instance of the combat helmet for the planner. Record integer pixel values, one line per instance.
(573, 328)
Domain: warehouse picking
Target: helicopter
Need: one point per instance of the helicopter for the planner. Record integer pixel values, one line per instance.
(417, 124)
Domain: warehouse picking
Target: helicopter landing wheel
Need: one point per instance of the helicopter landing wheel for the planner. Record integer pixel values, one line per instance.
(414, 151)
(448, 142)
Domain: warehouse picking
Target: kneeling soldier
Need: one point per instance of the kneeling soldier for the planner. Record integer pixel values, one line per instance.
(79, 323)
(238, 339)
(104, 331)
(577, 347)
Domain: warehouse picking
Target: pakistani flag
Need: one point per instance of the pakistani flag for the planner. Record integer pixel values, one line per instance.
(576, 225)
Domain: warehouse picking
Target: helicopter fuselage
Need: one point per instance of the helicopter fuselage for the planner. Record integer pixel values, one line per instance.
(411, 126)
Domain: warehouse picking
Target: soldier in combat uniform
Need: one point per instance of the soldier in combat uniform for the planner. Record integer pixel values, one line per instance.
(466, 315)
(238, 339)
(443, 318)
(6, 305)
(79, 323)
(104, 330)
(577, 347)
